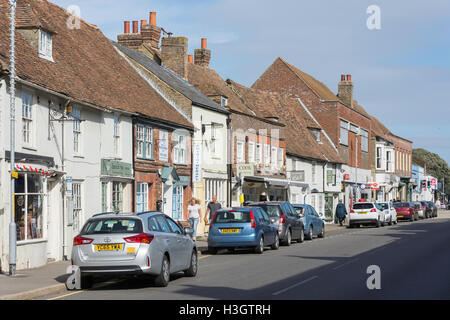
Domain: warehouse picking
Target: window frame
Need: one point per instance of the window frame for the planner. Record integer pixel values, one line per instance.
(45, 45)
(364, 140)
(143, 142)
(77, 131)
(142, 197)
(344, 128)
(116, 136)
(251, 152)
(28, 119)
(178, 146)
(240, 151)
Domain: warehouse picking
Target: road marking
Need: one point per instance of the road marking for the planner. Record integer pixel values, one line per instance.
(203, 257)
(81, 291)
(295, 285)
(66, 295)
(345, 264)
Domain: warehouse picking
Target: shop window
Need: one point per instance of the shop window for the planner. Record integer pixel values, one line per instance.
(29, 207)
(117, 196)
(142, 197)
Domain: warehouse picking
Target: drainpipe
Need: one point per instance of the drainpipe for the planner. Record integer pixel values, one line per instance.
(229, 164)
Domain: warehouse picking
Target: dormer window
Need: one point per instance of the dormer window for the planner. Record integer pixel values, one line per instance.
(316, 134)
(223, 102)
(45, 45)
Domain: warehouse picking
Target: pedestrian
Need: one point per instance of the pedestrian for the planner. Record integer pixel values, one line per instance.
(438, 203)
(213, 207)
(195, 214)
(341, 212)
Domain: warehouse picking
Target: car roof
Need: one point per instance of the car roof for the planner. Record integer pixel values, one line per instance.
(108, 215)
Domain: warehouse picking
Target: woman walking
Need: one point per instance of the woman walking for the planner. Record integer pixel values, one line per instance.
(195, 214)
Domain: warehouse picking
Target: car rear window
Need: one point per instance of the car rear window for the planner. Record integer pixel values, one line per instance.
(401, 205)
(273, 211)
(232, 217)
(384, 206)
(359, 206)
(112, 225)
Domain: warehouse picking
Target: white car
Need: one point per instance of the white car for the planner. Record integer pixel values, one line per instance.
(389, 212)
(366, 213)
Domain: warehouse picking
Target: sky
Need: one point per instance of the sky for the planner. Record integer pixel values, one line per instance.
(401, 70)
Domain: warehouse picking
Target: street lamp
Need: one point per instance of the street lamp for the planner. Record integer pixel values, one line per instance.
(12, 225)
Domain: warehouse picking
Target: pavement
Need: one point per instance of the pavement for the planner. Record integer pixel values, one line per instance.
(50, 279)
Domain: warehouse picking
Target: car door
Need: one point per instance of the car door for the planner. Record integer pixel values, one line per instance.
(170, 243)
(271, 228)
(182, 244)
(296, 224)
(316, 224)
(263, 225)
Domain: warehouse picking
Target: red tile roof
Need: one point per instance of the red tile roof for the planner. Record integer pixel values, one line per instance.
(86, 66)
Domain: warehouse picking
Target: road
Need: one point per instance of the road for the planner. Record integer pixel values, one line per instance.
(414, 262)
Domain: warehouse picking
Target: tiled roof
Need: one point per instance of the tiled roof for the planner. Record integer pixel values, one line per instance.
(299, 141)
(172, 79)
(379, 130)
(86, 65)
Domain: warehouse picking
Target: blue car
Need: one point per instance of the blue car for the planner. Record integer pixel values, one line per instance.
(312, 222)
(248, 227)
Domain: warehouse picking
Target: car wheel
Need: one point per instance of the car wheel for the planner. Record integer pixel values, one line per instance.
(390, 221)
(276, 244)
(309, 236)
(162, 280)
(212, 250)
(322, 233)
(260, 248)
(378, 223)
(192, 271)
(288, 240)
(302, 236)
(86, 282)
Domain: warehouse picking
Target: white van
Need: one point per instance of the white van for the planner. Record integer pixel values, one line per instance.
(366, 213)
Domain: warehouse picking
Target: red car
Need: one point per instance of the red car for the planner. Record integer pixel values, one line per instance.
(406, 211)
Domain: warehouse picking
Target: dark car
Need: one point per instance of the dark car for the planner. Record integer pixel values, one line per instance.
(433, 208)
(242, 228)
(406, 211)
(427, 209)
(284, 216)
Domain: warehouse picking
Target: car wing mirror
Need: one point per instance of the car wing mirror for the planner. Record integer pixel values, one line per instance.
(189, 231)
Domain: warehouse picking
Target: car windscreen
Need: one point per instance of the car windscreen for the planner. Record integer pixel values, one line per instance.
(273, 211)
(112, 225)
(300, 210)
(232, 217)
(360, 206)
(383, 206)
(401, 205)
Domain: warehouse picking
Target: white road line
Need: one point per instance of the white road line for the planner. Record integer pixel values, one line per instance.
(345, 264)
(295, 285)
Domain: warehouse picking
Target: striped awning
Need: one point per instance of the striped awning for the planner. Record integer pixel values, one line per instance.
(30, 169)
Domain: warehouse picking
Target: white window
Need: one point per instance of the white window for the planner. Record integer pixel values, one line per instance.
(140, 137)
(313, 172)
(117, 196)
(280, 158)
(251, 152)
(379, 159)
(224, 102)
(142, 197)
(214, 141)
(266, 154)
(344, 133)
(274, 157)
(364, 140)
(180, 149)
(27, 119)
(388, 161)
(144, 142)
(240, 151)
(77, 206)
(116, 135)
(316, 134)
(76, 131)
(258, 154)
(148, 142)
(45, 45)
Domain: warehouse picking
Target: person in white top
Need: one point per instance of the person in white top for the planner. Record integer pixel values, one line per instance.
(195, 214)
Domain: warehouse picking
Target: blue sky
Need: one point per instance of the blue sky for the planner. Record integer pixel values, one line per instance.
(401, 72)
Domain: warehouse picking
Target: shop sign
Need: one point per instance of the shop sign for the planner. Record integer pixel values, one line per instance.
(197, 163)
(163, 145)
(245, 170)
(116, 168)
(346, 177)
(69, 187)
(433, 182)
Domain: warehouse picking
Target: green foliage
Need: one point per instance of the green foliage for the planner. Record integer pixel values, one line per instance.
(436, 166)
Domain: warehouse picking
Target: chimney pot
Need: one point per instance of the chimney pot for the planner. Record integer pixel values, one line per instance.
(191, 59)
(153, 18)
(342, 77)
(126, 27)
(349, 78)
(135, 27)
(204, 43)
(143, 23)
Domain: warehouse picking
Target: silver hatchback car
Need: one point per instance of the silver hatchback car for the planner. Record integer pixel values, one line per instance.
(149, 243)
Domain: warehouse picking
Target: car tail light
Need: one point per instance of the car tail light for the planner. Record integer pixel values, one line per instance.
(140, 238)
(214, 218)
(373, 210)
(352, 211)
(80, 241)
(252, 219)
(282, 219)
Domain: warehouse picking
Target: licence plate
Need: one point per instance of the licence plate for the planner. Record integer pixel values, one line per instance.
(362, 212)
(230, 230)
(109, 247)
(399, 216)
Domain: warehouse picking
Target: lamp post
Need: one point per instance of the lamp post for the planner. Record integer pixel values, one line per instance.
(12, 94)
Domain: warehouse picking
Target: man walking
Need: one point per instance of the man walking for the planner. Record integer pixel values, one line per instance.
(213, 207)
(341, 212)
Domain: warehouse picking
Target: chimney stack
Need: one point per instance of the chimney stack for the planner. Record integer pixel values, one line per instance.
(202, 56)
(345, 90)
(174, 55)
(151, 33)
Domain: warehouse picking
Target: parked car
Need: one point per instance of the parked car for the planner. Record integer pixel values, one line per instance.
(434, 209)
(426, 210)
(389, 212)
(242, 228)
(149, 243)
(406, 211)
(366, 213)
(284, 216)
(313, 224)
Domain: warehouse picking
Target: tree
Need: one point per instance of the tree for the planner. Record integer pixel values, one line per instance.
(436, 166)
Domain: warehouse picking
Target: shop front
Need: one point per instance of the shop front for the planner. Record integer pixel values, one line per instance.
(256, 188)
(117, 186)
(176, 193)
